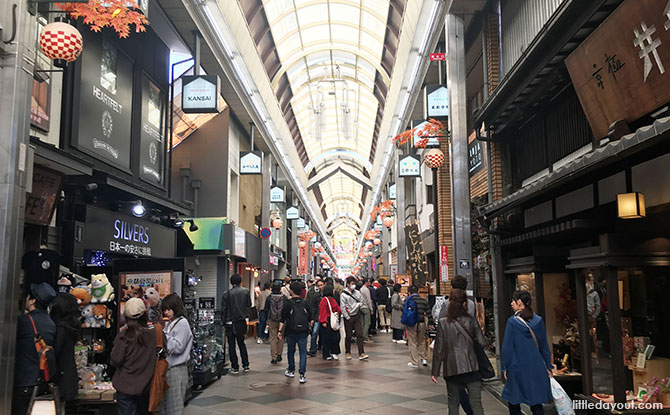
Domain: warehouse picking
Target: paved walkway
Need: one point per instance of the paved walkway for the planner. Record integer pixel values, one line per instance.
(383, 384)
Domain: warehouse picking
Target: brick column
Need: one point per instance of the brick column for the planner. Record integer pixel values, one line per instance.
(445, 212)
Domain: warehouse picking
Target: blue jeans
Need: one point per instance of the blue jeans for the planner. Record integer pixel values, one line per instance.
(314, 338)
(301, 340)
(131, 404)
(262, 321)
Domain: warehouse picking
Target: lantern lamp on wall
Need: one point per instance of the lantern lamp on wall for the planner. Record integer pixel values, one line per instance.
(388, 221)
(61, 42)
(631, 205)
(378, 241)
(302, 244)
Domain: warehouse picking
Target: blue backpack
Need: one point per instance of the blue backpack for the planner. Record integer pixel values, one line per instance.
(410, 314)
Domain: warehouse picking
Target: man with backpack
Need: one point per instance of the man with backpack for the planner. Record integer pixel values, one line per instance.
(274, 305)
(383, 294)
(27, 373)
(414, 319)
(296, 324)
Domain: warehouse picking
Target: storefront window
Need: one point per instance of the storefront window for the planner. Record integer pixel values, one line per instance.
(560, 308)
(598, 329)
(526, 282)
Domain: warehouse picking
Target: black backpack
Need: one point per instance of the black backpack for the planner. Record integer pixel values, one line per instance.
(276, 305)
(298, 319)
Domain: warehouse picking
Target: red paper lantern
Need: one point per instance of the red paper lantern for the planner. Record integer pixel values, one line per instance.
(434, 158)
(323, 261)
(378, 241)
(388, 221)
(61, 42)
(370, 253)
(302, 244)
(277, 223)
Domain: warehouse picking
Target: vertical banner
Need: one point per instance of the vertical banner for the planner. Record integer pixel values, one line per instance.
(416, 254)
(303, 260)
(444, 264)
(394, 271)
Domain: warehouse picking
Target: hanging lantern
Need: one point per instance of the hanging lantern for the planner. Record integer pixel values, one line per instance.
(434, 158)
(323, 261)
(302, 244)
(378, 241)
(61, 42)
(370, 253)
(277, 223)
(388, 221)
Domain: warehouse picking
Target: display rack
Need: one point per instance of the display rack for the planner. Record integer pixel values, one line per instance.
(209, 361)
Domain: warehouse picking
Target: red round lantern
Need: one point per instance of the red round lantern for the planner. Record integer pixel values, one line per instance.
(277, 223)
(323, 261)
(61, 42)
(434, 158)
(302, 244)
(378, 241)
(370, 253)
(388, 221)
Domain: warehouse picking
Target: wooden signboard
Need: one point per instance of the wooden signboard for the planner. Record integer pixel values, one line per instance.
(622, 70)
(416, 253)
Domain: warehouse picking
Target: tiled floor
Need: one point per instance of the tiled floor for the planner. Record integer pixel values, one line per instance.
(383, 385)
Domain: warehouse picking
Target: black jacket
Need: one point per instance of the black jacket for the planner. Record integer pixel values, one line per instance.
(235, 304)
(66, 377)
(313, 300)
(26, 370)
(382, 295)
(286, 313)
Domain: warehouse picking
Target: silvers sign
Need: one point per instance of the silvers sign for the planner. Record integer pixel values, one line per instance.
(277, 194)
(251, 162)
(200, 94)
(409, 166)
(437, 101)
(292, 213)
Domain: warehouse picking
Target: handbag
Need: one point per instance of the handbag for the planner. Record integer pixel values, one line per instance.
(485, 366)
(532, 333)
(334, 317)
(159, 383)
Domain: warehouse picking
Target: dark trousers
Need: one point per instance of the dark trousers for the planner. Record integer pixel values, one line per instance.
(373, 320)
(534, 409)
(235, 334)
(301, 340)
(397, 334)
(354, 324)
(330, 339)
(131, 404)
(465, 402)
(262, 321)
(313, 341)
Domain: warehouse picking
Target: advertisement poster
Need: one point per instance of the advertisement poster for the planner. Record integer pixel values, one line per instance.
(105, 106)
(152, 139)
(151, 287)
(41, 201)
(40, 105)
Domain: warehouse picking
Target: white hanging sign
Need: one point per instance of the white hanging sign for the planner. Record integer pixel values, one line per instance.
(277, 194)
(292, 213)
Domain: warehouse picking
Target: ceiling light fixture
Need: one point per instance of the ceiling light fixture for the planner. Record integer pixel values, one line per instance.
(193, 226)
(138, 209)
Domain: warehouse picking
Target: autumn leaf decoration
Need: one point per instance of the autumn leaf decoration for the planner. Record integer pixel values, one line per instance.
(384, 209)
(432, 129)
(117, 14)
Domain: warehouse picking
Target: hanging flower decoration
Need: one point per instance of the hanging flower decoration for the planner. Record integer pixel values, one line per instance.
(432, 129)
(370, 235)
(120, 15)
(404, 137)
(384, 209)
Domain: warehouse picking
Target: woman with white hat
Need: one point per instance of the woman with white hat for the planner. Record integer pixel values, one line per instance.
(134, 357)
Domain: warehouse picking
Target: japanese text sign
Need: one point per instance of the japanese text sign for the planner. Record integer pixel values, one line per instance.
(619, 70)
(416, 253)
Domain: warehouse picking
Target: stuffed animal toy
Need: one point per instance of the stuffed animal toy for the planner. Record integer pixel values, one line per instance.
(101, 289)
(153, 300)
(88, 320)
(82, 294)
(65, 283)
(100, 314)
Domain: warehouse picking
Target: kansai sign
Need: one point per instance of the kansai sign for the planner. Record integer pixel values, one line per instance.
(251, 162)
(200, 94)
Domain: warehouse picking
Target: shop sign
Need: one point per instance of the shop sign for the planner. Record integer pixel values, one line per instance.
(409, 166)
(40, 105)
(152, 137)
(303, 260)
(378, 227)
(41, 201)
(251, 162)
(437, 101)
(444, 264)
(392, 191)
(475, 157)
(438, 57)
(417, 126)
(292, 213)
(105, 103)
(200, 94)
(274, 260)
(277, 194)
(121, 234)
(619, 71)
(206, 303)
(240, 243)
(301, 223)
(416, 253)
(394, 271)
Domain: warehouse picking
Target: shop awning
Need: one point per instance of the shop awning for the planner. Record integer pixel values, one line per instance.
(209, 236)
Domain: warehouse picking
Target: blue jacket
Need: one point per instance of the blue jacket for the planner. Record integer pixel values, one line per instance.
(26, 370)
(526, 366)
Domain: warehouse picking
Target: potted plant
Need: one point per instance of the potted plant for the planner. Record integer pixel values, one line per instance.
(664, 389)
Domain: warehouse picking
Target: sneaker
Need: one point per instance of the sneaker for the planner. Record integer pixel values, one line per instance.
(401, 342)
(246, 369)
(289, 374)
(368, 341)
(412, 365)
(279, 358)
(348, 356)
(259, 341)
(335, 356)
(303, 379)
(395, 341)
(424, 362)
(329, 358)
(311, 354)
(363, 356)
(273, 361)
(234, 371)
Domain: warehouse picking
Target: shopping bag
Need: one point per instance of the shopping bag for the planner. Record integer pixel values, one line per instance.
(561, 399)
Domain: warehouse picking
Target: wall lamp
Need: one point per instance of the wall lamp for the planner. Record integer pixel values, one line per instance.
(631, 205)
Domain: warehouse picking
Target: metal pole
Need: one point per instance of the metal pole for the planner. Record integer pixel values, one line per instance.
(251, 127)
(196, 36)
(436, 221)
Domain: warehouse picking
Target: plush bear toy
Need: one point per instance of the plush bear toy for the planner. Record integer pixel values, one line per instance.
(82, 294)
(153, 299)
(101, 289)
(100, 314)
(88, 320)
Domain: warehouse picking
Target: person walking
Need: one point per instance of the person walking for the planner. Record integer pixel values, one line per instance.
(67, 317)
(274, 305)
(284, 289)
(397, 303)
(366, 309)
(329, 336)
(235, 310)
(262, 316)
(351, 302)
(374, 317)
(455, 355)
(26, 366)
(179, 341)
(526, 361)
(416, 334)
(314, 296)
(296, 323)
(383, 295)
(134, 357)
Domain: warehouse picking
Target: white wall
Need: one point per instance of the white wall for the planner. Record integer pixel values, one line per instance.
(233, 172)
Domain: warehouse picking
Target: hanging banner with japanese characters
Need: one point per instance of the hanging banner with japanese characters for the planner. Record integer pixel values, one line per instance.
(303, 259)
(416, 254)
(619, 71)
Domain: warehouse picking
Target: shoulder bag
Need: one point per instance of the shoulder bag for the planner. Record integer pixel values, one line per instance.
(334, 317)
(159, 383)
(485, 367)
(532, 333)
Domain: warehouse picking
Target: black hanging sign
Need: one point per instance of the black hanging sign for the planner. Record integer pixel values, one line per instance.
(416, 254)
(152, 137)
(475, 157)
